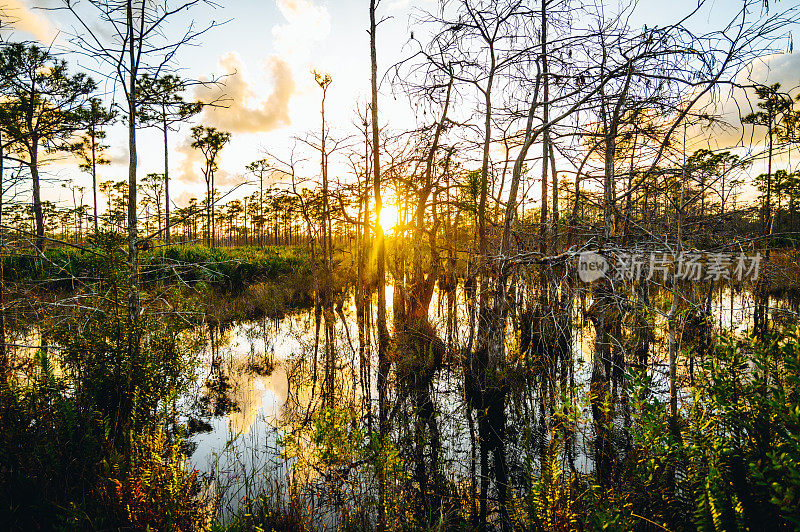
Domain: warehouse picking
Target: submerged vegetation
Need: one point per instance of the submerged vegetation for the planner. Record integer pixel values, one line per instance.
(546, 304)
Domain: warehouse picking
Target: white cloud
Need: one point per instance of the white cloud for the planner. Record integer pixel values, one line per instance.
(306, 25)
(24, 19)
(736, 102)
(239, 112)
(189, 172)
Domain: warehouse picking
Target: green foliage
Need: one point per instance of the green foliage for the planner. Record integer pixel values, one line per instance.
(233, 268)
(550, 499)
(744, 430)
(736, 464)
(90, 148)
(91, 411)
(334, 439)
(471, 191)
(43, 103)
(66, 268)
(48, 448)
(776, 107)
(151, 489)
(161, 100)
(385, 457)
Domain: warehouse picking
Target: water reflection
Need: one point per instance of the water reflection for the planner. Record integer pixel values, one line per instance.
(260, 379)
(249, 366)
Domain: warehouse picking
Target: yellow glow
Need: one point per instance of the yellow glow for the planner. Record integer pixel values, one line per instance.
(388, 218)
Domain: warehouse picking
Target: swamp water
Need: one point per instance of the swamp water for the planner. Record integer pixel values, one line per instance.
(252, 410)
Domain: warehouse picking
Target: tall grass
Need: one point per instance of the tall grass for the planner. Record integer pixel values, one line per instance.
(64, 268)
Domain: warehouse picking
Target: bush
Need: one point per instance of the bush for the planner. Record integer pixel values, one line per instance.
(68, 436)
(151, 489)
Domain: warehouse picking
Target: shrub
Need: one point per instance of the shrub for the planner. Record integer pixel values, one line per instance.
(151, 489)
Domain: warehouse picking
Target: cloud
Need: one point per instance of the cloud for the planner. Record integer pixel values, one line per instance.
(241, 114)
(306, 24)
(189, 171)
(118, 155)
(183, 198)
(735, 102)
(22, 18)
(223, 178)
(778, 68)
(402, 5)
(247, 109)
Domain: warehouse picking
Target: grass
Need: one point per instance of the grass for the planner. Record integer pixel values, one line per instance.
(230, 269)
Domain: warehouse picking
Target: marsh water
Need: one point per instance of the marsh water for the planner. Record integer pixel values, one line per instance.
(254, 382)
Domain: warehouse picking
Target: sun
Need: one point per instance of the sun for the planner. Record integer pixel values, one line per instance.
(388, 218)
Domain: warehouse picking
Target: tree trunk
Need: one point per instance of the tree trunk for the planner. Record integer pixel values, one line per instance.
(479, 364)
(213, 214)
(5, 369)
(166, 181)
(208, 210)
(37, 200)
(94, 178)
(383, 332)
(261, 208)
(133, 252)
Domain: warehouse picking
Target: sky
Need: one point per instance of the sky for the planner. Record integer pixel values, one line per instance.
(266, 52)
(268, 49)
